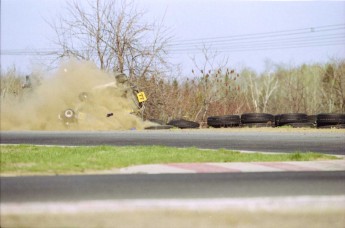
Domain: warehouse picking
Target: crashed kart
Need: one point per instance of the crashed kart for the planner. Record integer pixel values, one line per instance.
(87, 101)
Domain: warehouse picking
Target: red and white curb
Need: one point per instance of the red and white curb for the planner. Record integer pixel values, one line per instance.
(234, 167)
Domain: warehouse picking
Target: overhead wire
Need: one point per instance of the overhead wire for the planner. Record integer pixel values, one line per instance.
(283, 38)
(266, 34)
(328, 35)
(269, 42)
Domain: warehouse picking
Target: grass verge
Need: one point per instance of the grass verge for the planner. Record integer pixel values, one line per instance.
(23, 159)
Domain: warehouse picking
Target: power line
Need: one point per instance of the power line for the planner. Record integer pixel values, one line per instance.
(268, 42)
(266, 34)
(261, 39)
(298, 38)
(330, 35)
(264, 39)
(226, 50)
(28, 52)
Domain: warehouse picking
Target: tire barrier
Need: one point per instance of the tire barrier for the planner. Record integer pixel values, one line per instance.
(330, 120)
(295, 120)
(224, 121)
(255, 120)
(290, 118)
(183, 124)
(248, 118)
(312, 119)
(256, 125)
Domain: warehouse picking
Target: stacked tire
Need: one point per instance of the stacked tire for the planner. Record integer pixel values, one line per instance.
(178, 123)
(183, 124)
(296, 120)
(330, 120)
(257, 120)
(224, 121)
(312, 119)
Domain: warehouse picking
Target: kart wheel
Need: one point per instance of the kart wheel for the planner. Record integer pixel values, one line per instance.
(68, 116)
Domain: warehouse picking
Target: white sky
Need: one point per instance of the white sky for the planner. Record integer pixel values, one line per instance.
(23, 27)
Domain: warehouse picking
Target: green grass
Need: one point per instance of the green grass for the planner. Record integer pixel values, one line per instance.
(19, 159)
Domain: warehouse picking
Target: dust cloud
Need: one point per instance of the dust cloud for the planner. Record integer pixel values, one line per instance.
(104, 109)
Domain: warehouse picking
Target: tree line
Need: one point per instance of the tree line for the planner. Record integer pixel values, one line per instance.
(311, 89)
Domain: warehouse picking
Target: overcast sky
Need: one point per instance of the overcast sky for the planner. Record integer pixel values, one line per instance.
(245, 32)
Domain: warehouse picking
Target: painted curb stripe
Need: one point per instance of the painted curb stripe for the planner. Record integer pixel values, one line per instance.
(288, 166)
(203, 168)
(337, 165)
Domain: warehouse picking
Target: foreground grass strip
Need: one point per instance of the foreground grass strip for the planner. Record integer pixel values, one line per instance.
(20, 159)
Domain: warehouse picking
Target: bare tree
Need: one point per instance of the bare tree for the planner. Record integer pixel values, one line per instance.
(260, 90)
(269, 86)
(114, 35)
(217, 84)
(206, 95)
(333, 87)
(254, 93)
(311, 76)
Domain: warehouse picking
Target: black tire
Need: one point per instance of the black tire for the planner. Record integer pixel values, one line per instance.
(276, 120)
(289, 118)
(257, 125)
(325, 119)
(183, 124)
(248, 118)
(224, 121)
(312, 119)
(159, 127)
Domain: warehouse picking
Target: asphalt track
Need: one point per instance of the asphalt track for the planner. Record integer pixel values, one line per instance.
(323, 142)
(170, 186)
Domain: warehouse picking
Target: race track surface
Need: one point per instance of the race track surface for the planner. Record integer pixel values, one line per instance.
(315, 141)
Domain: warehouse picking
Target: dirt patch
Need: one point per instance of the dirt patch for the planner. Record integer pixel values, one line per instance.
(39, 107)
(181, 218)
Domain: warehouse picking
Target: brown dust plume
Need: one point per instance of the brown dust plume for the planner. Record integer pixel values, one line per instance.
(105, 109)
